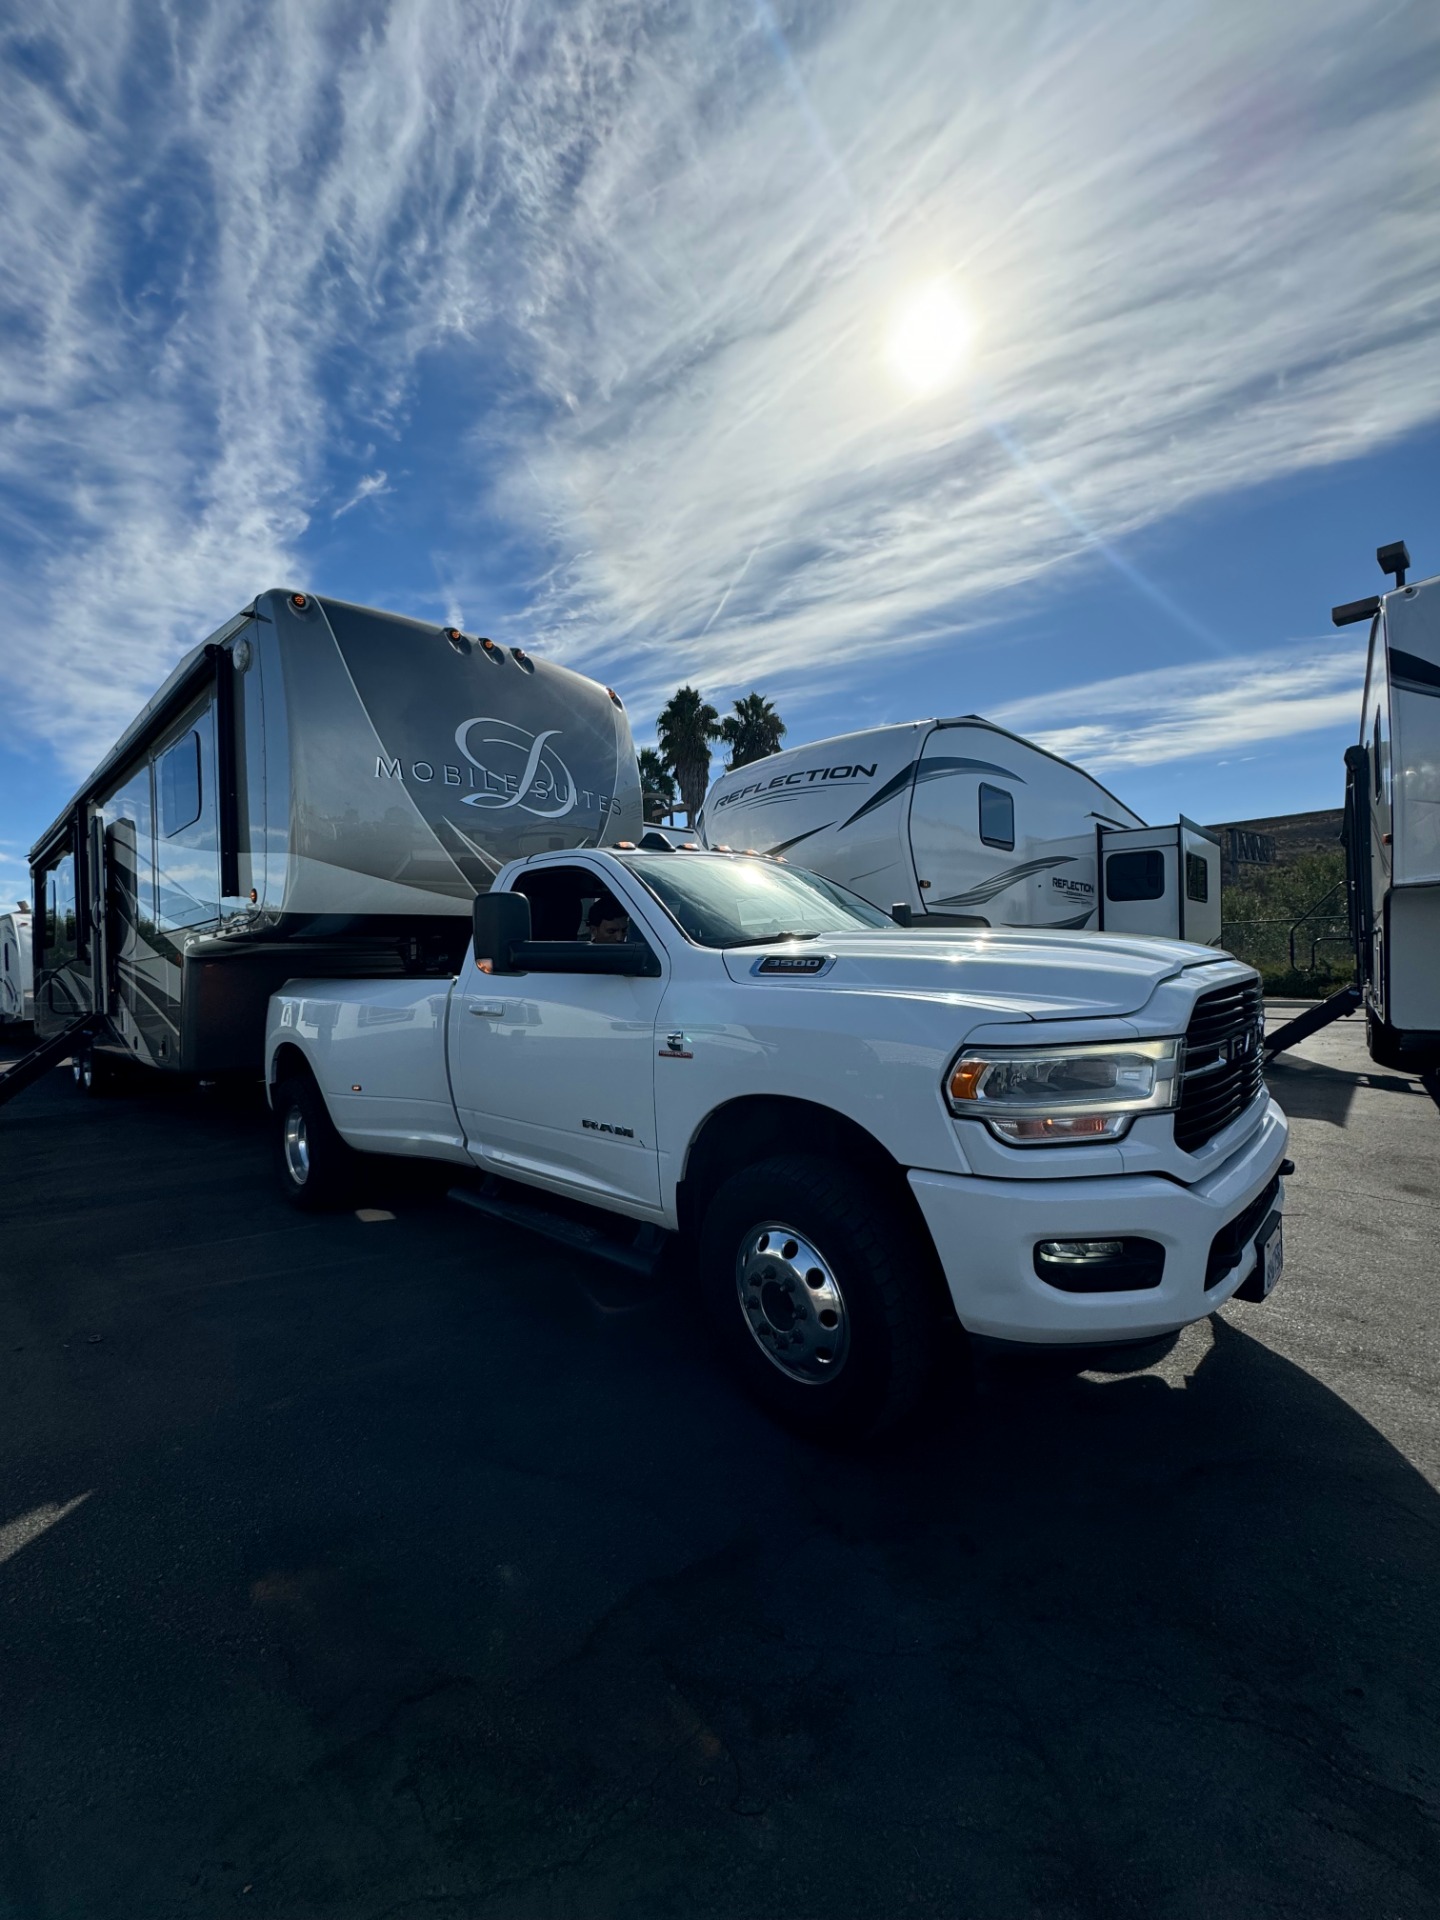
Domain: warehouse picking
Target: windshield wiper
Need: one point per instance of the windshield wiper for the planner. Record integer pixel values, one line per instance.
(764, 939)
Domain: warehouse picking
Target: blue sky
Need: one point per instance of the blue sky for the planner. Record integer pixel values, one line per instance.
(574, 325)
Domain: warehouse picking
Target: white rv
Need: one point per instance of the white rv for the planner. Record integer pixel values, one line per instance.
(957, 823)
(17, 990)
(1392, 819)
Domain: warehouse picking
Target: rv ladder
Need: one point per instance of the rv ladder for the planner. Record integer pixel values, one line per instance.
(1312, 1020)
(31, 1065)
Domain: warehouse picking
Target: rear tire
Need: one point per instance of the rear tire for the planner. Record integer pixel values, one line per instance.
(822, 1294)
(317, 1170)
(96, 1073)
(1384, 1047)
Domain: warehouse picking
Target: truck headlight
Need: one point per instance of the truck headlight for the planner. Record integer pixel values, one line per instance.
(1042, 1096)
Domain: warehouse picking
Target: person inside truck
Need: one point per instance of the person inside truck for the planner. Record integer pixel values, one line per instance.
(607, 921)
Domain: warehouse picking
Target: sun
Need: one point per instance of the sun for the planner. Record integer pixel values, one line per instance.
(931, 338)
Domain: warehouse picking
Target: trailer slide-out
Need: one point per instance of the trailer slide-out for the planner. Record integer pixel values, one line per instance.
(317, 788)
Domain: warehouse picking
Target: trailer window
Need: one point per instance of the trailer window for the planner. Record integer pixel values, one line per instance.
(997, 817)
(1197, 877)
(1136, 876)
(179, 784)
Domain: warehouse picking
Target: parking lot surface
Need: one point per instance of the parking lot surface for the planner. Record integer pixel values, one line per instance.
(398, 1564)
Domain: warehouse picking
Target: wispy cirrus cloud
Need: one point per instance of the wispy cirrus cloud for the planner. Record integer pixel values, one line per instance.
(371, 485)
(1211, 707)
(656, 250)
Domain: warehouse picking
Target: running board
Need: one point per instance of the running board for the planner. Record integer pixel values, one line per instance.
(641, 1253)
(40, 1059)
(1312, 1020)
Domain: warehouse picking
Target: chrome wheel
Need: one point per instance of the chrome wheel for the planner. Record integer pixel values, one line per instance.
(297, 1147)
(792, 1303)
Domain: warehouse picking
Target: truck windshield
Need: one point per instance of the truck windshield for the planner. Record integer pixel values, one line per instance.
(726, 900)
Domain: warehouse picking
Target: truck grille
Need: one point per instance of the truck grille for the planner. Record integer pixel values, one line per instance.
(1224, 1062)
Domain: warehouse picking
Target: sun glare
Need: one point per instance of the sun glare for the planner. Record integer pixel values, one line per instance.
(930, 340)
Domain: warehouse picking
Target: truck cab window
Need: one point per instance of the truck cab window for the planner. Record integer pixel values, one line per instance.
(178, 781)
(997, 817)
(570, 903)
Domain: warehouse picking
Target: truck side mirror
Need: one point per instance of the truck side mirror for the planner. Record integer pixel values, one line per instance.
(500, 921)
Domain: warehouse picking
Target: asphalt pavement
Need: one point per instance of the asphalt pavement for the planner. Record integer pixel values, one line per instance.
(399, 1564)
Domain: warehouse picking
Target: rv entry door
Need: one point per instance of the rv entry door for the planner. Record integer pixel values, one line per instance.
(1160, 880)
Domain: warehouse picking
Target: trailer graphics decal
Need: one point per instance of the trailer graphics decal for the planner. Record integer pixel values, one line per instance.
(543, 775)
(999, 882)
(1414, 675)
(781, 785)
(937, 768)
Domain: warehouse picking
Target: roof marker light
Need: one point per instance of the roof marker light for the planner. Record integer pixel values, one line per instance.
(299, 602)
(616, 698)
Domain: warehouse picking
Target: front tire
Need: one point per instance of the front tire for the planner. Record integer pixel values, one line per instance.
(822, 1294)
(316, 1168)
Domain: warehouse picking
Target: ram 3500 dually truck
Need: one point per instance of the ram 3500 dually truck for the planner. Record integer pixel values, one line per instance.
(864, 1131)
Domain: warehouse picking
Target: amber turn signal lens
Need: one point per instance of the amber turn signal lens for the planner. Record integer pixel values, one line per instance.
(298, 600)
(966, 1078)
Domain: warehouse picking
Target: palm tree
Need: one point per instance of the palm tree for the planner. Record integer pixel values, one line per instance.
(657, 787)
(753, 731)
(685, 729)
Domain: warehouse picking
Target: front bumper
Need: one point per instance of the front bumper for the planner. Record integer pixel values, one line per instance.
(985, 1233)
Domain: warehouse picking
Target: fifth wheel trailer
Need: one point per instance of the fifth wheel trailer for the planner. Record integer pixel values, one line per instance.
(958, 823)
(317, 787)
(1392, 819)
(16, 979)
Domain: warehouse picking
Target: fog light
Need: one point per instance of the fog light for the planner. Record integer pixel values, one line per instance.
(1131, 1265)
(1079, 1252)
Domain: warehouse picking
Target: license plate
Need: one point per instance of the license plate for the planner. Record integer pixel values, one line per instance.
(1270, 1246)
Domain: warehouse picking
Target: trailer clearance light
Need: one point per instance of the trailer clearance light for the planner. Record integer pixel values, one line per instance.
(1052, 1096)
(299, 602)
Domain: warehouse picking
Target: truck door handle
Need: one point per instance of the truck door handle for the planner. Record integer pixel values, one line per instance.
(494, 1008)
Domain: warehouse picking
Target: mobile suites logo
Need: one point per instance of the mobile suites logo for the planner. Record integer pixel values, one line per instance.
(519, 769)
(805, 778)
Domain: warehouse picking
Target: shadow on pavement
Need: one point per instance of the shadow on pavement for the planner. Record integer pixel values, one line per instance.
(1308, 1090)
(422, 1572)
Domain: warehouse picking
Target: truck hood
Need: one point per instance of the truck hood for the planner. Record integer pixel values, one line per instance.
(1018, 973)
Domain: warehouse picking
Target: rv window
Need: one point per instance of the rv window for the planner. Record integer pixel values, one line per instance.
(1136, 876)
(1197, 877)
(179, 783)
(997, 817)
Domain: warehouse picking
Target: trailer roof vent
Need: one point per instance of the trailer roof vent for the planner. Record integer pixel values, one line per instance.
(522, 659)
(492, 652)
(457, 639)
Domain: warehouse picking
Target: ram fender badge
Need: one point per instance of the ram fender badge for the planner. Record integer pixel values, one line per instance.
(676, 1047)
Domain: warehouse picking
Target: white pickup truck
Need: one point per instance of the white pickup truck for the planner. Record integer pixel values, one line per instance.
(862, 1131)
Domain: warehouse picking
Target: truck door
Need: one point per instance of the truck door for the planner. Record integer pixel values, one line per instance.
(554, 1073)
(1160, 880)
